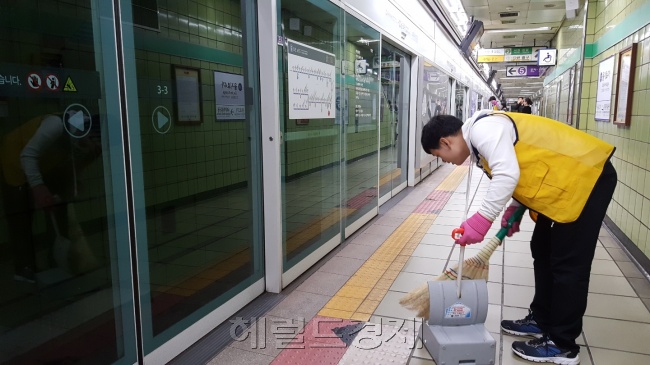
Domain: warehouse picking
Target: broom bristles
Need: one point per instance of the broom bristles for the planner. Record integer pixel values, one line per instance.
(418, 301)
(476, 267)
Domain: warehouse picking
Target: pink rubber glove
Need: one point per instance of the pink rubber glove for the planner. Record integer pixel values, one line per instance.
(504, 221)
(476, 228)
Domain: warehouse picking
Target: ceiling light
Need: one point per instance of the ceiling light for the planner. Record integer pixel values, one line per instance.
(366, 41)
(517, 30)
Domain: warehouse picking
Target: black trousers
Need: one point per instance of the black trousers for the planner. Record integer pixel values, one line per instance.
(18, 204)
(562, 255)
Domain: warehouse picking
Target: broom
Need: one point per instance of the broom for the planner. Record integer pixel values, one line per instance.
(474, 268)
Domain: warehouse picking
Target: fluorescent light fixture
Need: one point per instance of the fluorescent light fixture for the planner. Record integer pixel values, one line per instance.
(517, 30)
(366, 41)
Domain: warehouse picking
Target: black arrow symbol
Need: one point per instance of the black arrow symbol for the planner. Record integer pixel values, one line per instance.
(511, 70)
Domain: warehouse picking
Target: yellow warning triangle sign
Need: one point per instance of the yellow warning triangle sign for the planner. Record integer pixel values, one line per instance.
(69, 85)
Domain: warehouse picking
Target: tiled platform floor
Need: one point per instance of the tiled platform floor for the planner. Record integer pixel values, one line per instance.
(302, 328)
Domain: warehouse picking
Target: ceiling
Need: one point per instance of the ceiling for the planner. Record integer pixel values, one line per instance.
(523, 14)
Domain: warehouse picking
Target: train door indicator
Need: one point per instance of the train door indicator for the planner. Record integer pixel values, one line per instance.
(77, 120)
(161, 120)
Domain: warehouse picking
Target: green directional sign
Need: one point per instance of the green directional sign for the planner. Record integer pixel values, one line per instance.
(521, 54)
(520, 50)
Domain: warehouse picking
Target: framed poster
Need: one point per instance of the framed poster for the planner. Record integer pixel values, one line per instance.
(625, 86)
(230, 96)
(187, 97)
(604, 89)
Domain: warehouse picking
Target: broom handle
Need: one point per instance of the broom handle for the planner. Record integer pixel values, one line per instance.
(55, 224)
(461, 258)
(465, 212)
(459, 280)
(516, 216)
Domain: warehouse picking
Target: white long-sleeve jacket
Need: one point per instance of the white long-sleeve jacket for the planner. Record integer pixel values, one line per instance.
(50, 130)
(494, 138)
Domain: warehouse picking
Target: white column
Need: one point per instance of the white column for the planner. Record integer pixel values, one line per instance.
(271, 143)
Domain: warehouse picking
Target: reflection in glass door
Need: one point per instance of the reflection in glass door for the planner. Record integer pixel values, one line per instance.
(473, 103)
(433, 99)
(65, 271)
(360, 133)
(394, 113)
(459, 101)
(195, 137)
(311, 149)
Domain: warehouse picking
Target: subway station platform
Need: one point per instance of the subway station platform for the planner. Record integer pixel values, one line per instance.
(346, 309)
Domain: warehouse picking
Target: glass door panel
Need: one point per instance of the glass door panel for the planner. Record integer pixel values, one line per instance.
(195, 141)
(361, 137)
(460, 101)
(65, 270)
(311, 128)
(433, 95)
(474, 103)
(394, 112)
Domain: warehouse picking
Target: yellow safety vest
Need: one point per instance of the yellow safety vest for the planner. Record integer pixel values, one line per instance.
(558, 164)
(12, 146)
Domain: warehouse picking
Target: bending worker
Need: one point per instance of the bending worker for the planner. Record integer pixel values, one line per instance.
(40, 162)
(565, 178)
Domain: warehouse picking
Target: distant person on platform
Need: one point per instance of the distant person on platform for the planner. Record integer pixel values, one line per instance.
(526, 107)
(494, 103)
(40, 162)
(520, 105)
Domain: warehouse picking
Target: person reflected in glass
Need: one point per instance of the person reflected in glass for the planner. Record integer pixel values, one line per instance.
(40, 163)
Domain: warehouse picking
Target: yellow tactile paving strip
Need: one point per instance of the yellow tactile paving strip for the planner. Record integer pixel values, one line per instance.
(453, 179)
(359, 297)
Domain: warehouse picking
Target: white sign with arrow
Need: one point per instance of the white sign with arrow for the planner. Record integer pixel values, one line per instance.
(522, 71)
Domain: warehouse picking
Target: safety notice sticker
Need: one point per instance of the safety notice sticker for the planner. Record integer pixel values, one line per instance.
(458, 310)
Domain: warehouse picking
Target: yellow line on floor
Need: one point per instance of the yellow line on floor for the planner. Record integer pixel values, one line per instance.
(453, 179)
(359, 297)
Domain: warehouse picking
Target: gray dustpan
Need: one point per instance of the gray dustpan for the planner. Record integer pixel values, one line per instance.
(455, 333)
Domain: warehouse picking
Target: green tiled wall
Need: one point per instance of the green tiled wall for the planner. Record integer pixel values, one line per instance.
(190, 160)
(630, 208)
